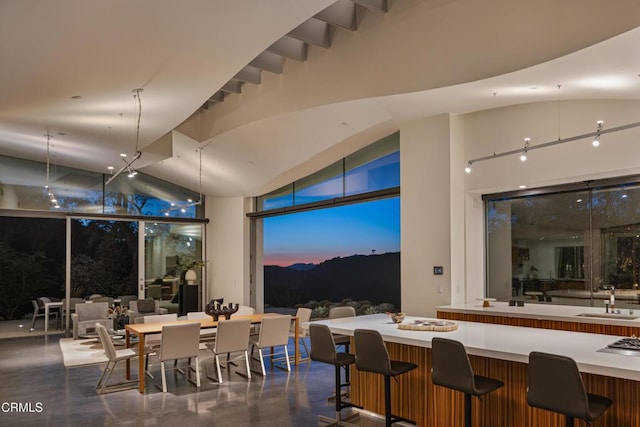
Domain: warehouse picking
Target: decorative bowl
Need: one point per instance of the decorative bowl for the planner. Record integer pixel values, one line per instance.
(397, 317)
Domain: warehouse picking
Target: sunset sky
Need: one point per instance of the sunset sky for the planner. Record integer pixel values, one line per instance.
(315, 236)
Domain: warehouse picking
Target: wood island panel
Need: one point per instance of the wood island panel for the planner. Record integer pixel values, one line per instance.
(415, 397)
(593, 328)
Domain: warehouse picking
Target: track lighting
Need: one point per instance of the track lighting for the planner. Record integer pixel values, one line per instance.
(467, 169)
(523, 156)
(596, 139)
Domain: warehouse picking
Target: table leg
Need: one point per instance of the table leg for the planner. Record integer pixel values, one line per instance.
(46, 318)
(141, 373)
(127, 344)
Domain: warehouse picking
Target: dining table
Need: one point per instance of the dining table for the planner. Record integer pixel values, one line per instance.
(142, 329)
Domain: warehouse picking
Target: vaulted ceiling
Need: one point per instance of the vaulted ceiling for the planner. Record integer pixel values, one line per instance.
(337, 75)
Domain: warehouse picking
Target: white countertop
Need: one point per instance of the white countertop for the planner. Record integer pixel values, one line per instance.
(566, 313)
(502, 342)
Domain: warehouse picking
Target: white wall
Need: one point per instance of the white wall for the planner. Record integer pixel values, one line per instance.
(565, 163)
(425, 207)
(227, 243)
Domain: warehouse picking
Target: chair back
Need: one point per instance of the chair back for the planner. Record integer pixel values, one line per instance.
(108, 300)
(274, 331)
(197, 315)
(180, 341)
(125, 300)
(144, 306)
(160, 318)
(105, 340)
(343, 311)
(232, 336)
(244, 310)
(371, 353)
(75, 301)
(96, 310)
(323, 346)
(450, 366)
(303, 315)
(555, 384)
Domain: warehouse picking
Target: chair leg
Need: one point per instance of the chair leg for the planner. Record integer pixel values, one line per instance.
(286, 356)
(104, 372)
(164, 377)
(387, 400)
(264, 372)
(197, 371)
(246, 361)
(219, 372)
(33, 321)
(338, 391)
(467, 410)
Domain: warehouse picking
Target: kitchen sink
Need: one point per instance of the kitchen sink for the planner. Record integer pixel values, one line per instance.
(609, 316)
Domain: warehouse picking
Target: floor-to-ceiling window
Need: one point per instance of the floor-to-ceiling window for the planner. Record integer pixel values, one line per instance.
(566, 245)
(110, 226)
(333, 238)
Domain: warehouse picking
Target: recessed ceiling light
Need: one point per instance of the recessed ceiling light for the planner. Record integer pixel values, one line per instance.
(76, 97)
(522, 186)
(123, 155)
(110, 168)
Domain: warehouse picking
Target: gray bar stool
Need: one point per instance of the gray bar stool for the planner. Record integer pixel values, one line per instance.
(323, 349)
(451, 368)
(555, 384)
(372, 356)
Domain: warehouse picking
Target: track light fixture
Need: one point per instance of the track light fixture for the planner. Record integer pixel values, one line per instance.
(467, 169)
(523, 156)
(131, 172)
(599, 126)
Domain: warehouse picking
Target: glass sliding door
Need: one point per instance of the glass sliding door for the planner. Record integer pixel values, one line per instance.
(104, 258)
(170, 251)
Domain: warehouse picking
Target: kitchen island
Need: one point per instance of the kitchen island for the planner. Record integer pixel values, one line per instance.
(547, 316)
(497, 351)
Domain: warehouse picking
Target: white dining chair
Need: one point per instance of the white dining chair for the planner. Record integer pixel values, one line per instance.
(114, 356)
(274, 332)
(232, 338)
(180, 341)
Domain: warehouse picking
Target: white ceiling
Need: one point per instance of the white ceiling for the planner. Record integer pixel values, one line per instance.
(182, 52)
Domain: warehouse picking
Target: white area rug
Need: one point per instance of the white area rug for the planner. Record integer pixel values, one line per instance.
(81, 352)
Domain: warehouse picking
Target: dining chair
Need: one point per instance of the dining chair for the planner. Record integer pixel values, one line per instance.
(274, 332)
(206, 334)
(232, 337)
(113, 357)
(38, 311)
(304, 315)
(180, 341)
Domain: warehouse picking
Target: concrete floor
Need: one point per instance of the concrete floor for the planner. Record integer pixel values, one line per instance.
(32, 374)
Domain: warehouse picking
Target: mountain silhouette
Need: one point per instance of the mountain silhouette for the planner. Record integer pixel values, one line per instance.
(302, 266)
(375, 278)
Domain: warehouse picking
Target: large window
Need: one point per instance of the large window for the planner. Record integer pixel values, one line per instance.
(23, 186)
(333, 237)
(569, 245)
(349, 254)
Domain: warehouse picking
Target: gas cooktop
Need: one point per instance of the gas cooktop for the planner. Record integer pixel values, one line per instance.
(625, 346)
